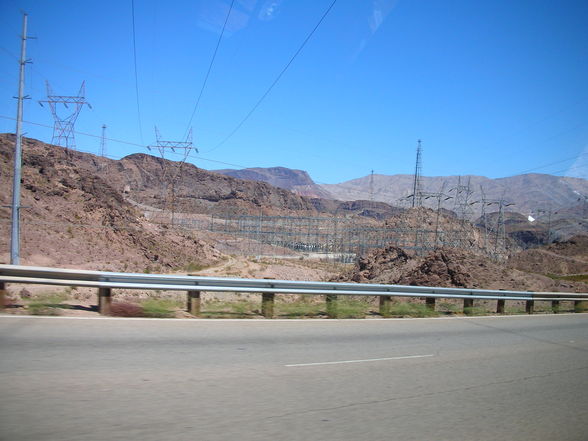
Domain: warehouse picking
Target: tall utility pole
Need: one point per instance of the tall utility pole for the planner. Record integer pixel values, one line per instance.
(103, 141)
(416, 188)
(15, 232)
(372, 188)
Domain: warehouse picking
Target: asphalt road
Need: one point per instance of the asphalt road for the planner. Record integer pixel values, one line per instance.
(494, 378)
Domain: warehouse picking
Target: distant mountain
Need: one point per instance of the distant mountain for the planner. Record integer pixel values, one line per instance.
(297, 181)
(558, 203)
(529, 193)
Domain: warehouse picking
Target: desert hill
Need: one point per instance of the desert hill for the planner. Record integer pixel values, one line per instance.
(529, 192)
(450, 268)
(560, 258)
(532, 193)
(99, 207)
(297, 181)
(558, 204)
(73, 216)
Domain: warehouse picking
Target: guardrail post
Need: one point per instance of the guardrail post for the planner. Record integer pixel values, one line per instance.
(530, 306)
(430, 302)
(194, 303)
(467, 305)
(500, 306)
(385, 305)
(104, 300)
(267, 304)
(2, 295)
(331, 305)
(581, 306)
(555, 306)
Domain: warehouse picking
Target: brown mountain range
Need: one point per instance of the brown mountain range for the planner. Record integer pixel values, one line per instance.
(530, 193)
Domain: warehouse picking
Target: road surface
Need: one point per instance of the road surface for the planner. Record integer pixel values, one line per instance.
(490, 378)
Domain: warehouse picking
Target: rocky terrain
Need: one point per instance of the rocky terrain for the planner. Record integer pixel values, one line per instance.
(297, 181)
(73, 217)
(84, 211)
(557, 203)
(450, 268)
(559, 258)
(97, 207)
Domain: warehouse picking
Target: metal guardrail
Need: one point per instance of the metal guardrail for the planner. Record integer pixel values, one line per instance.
(106, 281)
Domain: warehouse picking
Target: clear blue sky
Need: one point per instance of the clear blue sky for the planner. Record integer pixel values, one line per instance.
(492, 88)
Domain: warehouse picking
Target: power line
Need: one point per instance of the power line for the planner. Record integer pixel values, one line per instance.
(136, 74)
(142, 146)
(120, 141)
(209, 68)
(572, 158)
(9, 53)
(272, 85)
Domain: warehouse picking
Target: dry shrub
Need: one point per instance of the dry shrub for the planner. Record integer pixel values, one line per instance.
(126, 309)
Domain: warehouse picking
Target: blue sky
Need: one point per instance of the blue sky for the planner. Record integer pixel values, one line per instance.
(492, 88)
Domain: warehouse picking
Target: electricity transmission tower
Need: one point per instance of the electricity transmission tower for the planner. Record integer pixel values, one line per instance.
(441, 197)
(63, 127)
(172, 170)
(416, 186)
(103, 141)
(485, 202)
(498, 229)
(462, 203)
(372, 188)
(463, 208)
(549, 213)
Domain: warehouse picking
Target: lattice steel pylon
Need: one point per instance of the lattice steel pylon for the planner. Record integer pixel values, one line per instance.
(499, 248)
(372, 188)
(63, 127)
(103, 141)
(463, 208)
(172, 170)
(441, 197)
(416, 187)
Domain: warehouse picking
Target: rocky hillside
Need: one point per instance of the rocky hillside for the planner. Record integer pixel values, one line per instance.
(560, 258)
(97, 205)
(297, 181)
(449, 268)
(73, 216)
(531, 193)
(557, 203)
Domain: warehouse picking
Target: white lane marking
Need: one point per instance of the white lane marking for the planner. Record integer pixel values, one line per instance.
(359, 361)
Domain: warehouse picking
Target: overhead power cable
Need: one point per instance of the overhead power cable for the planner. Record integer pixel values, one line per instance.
(276, 80)
(572, 158)
(209, 68)
(136, 74)
(120, 141)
